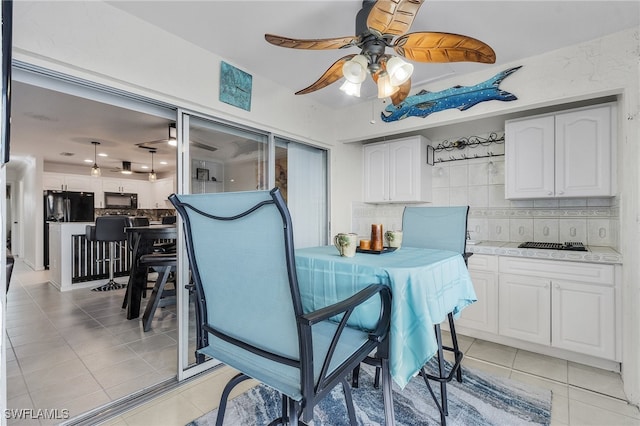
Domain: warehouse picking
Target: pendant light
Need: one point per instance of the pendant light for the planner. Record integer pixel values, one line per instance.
(95, 170)
(152, 173)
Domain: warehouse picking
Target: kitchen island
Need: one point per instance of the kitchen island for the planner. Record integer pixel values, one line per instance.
(77, 263)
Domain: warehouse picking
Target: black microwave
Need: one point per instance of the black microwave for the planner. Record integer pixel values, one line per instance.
(117, 200)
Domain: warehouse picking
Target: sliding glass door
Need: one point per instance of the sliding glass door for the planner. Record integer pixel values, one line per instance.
(216, 156)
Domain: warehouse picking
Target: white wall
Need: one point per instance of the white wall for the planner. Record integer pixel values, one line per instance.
(80, 38)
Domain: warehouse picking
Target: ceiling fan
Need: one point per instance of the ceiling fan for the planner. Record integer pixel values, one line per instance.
(172, 141)
(155, 144)
(381, 24)
(125, 169)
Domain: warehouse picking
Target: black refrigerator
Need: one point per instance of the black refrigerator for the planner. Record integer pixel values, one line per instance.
(65, 206)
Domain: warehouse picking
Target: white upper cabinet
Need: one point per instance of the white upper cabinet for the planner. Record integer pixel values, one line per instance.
(397, 171)
(123, 185)
(162, 188)
(569, 154)
(64, 182)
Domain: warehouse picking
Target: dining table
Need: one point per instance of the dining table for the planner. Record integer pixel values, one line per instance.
(426, 285)
(144, 238)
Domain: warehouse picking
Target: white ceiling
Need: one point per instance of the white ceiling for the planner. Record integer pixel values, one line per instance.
(51, 123)
(514, 29)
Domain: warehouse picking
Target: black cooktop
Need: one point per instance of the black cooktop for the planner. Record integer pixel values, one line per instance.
(554, 246)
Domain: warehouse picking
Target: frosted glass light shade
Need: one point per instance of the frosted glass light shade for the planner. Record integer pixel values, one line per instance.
(399, 70)
(355, 70)
(385, 88)
(352, 89)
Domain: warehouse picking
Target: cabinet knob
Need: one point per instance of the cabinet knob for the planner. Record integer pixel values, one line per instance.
(561, 192)
(550, 193)
(557, 285)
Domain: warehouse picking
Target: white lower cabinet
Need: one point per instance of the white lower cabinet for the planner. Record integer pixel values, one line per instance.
(483, 314)
(565, 305)
(525, 308)
(559, 308)
(584, 318)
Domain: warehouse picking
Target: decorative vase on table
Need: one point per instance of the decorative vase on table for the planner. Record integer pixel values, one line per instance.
(394, 238)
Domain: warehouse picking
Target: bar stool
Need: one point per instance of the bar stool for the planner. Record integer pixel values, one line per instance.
(109, 229)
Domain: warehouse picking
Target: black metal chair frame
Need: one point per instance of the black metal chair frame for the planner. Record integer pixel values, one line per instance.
(443, 377)
(165, 265)
(312, 392)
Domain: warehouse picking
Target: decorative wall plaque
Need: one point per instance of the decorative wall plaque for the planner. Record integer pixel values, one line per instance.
(235, 86)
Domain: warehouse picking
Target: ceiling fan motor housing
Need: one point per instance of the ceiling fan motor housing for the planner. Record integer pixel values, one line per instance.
(361, 17)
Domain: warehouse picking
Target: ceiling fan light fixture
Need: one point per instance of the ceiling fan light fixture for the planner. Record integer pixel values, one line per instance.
(385, 88)
(355, 69)
(95, 170)
(399, 70)
(173, 135)
(351, 89)
(126, 168)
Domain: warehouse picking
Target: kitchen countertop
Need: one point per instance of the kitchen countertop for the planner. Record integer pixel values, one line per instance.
(595, 254)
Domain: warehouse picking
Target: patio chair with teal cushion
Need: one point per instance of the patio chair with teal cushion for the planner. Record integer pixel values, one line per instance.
(442, 228)
(241, 254)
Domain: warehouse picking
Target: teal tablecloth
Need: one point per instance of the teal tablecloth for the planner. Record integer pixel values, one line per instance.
(426, 285)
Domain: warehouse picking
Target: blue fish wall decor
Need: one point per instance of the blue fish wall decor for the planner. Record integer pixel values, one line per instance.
(425, 103)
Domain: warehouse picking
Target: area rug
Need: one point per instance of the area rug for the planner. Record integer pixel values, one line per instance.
(480, 400)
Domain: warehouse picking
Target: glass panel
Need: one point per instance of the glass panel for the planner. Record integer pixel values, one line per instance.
(225, 158)
(301, 175)
(217, 158)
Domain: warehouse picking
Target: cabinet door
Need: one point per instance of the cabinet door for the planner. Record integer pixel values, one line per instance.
(98, 193)
(583, 153)
(79, 183)
(376, 165)
(162, 189)
(483, 314)
(135, 187)
(53, 181)
(404, 171)
(529, 158)
(583, 318)
(524, 310)
(111, 185)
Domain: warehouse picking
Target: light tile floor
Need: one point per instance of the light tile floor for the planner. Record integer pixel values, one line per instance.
(76, 350)
(87, 370)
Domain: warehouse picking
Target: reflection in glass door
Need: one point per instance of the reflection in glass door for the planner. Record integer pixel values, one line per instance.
(217, 157)
(225, 158)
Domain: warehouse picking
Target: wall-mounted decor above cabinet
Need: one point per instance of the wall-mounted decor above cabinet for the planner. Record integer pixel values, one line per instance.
(562, 155)
(397, 171)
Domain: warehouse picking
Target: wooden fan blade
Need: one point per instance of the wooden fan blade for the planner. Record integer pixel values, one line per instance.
(313, 44)
(393, 16)
(443, 47)
(333, 74)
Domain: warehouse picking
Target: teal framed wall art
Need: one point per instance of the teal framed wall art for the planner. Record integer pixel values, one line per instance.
(235, 86)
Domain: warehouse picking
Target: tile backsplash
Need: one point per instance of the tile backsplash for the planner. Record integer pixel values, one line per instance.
(479, 183)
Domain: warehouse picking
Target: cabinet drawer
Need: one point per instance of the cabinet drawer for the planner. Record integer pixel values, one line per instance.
(483, 262)
(553, 269)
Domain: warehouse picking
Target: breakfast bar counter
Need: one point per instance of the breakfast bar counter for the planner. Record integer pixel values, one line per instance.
(75, 262)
